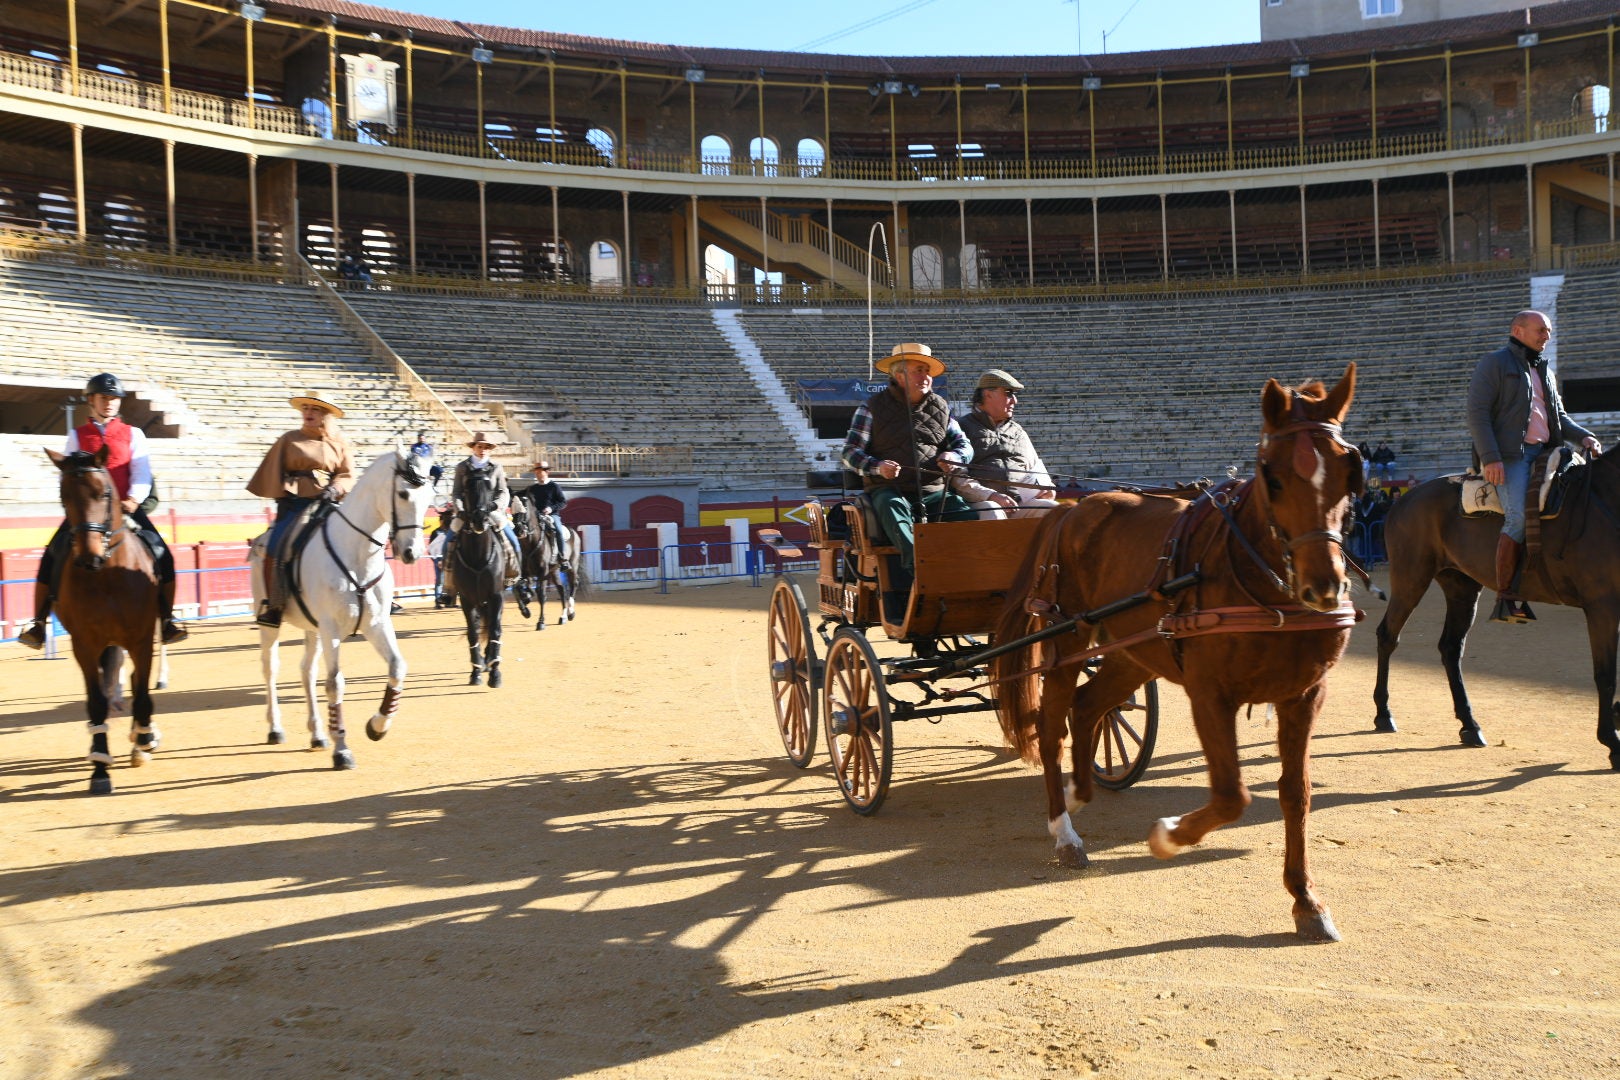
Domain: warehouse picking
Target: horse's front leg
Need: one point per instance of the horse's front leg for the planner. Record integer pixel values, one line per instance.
(270, 667)
(380, 632)
(1462, 596)
(318, 739)
(144, 734)
(492, 633)
(475, 634)
(331, 638)
(1057, 697)
(95, 700)
(1216, 722)
(1603, 630)
(1295, 721)
(540, 597)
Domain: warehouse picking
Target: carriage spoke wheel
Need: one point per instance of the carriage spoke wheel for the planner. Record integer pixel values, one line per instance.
(1123, 743)
(855, 712)
(792, 655)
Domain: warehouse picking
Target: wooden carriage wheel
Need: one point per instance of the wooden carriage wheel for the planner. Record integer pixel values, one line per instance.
(791, 651)
(855, 711)
(1123, 744)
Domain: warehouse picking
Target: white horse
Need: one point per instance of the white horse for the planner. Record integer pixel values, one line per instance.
(344, 586)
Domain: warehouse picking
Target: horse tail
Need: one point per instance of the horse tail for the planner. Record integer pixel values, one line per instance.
(1018, 692)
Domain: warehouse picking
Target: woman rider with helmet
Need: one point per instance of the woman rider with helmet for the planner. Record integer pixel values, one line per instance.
(131, 470)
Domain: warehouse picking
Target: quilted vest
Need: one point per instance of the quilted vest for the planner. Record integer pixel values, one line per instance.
(998, 451)
(117, 440)
(893, 427)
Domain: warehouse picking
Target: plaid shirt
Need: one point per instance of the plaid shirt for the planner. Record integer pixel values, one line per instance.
(857, 460)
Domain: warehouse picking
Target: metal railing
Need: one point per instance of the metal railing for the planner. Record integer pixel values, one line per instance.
(616, 460)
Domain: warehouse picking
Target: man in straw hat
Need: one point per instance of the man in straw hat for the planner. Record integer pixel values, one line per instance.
(480, 468)
(131, 469)
(902, 443)
(1007, 474)
(309, 463)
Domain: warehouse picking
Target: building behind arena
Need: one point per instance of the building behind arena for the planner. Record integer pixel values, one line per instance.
(640, 259)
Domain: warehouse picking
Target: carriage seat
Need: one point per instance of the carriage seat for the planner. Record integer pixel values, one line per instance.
(876, 541)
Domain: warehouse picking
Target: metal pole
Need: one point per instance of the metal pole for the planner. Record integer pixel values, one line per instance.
(1377, 233)
(78, 183)
(410, 216)
(163, 30)
(1451, 214)
(337, 233)
(1231, 210)
(764, 230)
(556, 238)
(1164, 233)
(168, 185)
(483, 233)
(1304, 236)
(253, 200)
(832, 260)
(624, 263)
(1096, 245)
(1029, 239)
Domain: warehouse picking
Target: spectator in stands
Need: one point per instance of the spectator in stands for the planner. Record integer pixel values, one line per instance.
(1366, 459)
(312, 462)
(422, 448)
(1383, 461)
(907, 422)
(547, 498)
(1006, 472)
(1514, 415)
(353, 270)
(479, 467)
(130, 466)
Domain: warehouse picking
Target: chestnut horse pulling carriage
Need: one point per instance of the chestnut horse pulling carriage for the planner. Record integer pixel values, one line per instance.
(1237, 592)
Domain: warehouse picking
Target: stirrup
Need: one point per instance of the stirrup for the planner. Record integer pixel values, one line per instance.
(174, 632)
(268, 616)
(1512, 610)
(34, 636)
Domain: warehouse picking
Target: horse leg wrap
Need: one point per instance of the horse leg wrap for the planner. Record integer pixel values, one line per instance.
(390, 702)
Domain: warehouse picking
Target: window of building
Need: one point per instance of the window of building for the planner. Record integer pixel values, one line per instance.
(763, 153)
(1592, 105)
(716, 153)
(605, 265)
(812, 157)
(602, 139)
(1377, 9)
(927, 268)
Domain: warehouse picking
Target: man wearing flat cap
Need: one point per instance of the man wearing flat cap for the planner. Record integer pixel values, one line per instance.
(480, 468)
(903, 442)
(1007, 476)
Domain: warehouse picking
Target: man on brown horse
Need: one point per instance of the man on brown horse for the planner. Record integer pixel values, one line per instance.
(131, 469)
(1514, 415)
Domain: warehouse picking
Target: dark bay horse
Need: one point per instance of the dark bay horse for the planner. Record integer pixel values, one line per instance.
(1429, 539)
(108, 600)
(481, 581)
(1244, 600)
(544, 564)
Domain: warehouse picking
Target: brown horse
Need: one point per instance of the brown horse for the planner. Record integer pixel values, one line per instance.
(108, 599)
(1429, 539)
(1242, 598)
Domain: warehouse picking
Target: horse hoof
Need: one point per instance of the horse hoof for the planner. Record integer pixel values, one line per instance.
(1471, 736)
(1385, 725)
(343, 759)
(1313, 926)
(541, 625)
(1072, 857)
(276, 738)
(475, 679)
(101, 785)
(163, 684)
(495, 678)
(319, 742)
(375, 734)
(1614, 760)
(1160, 841)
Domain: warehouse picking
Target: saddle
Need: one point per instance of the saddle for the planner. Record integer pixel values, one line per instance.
(283, 563)
(1547, 485)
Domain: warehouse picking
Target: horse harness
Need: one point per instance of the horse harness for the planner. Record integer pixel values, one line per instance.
(84, 465)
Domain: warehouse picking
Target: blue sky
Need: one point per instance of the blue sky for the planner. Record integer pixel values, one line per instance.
(916, 28)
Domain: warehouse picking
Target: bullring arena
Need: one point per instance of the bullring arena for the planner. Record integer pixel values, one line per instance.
(652, 266)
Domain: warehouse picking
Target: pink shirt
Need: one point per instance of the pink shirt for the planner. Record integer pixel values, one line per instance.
(1536, 431)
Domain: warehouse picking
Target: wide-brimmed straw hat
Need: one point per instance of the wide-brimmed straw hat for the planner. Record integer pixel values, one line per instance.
(315, 400)
(995, 378)
(911, 350)
(484, 437)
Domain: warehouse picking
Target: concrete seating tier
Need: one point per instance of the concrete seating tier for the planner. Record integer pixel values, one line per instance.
(1157, 389)
(597, 374)
(218, 358)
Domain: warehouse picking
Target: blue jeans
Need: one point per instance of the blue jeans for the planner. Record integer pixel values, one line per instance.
(288, 507)
(1516, 480)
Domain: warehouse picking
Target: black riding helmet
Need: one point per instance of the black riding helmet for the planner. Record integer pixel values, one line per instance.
(105, 383)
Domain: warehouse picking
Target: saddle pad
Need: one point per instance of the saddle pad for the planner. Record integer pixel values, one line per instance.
(1479, 497)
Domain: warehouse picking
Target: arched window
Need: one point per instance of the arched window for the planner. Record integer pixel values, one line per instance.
(716, 153)
(927, 268)
(812, 157)
(719, 266)
(1592, 104)
(763, 153)
(318, 117)
(970, 266)
(606, 271)
(602, 139)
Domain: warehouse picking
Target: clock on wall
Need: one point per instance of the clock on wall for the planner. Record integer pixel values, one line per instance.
(371, 90)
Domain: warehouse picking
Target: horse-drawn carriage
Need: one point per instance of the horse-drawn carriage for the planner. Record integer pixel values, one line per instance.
(964, 570)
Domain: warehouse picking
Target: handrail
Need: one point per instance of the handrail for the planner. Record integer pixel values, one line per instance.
(451, 426)
(616, 460)
(19, 70)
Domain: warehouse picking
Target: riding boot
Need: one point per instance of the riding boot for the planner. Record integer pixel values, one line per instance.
(1510, 607)
(447, 587)
(172, 631)
(269, 611)
(514, 561)
(34, 635)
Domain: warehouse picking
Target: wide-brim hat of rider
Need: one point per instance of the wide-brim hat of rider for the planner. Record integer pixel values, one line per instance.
(912, 350)
(316, 400)
(483, 438)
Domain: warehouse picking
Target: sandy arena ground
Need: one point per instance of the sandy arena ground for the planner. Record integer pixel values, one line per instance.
(608, 867)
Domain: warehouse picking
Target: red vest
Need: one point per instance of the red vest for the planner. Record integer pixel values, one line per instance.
(117, 441)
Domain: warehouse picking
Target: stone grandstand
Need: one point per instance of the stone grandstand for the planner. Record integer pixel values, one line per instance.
(1145, 389)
